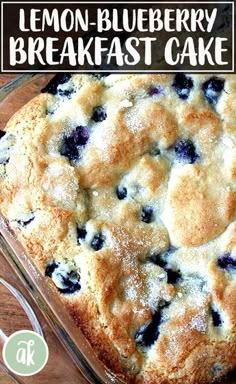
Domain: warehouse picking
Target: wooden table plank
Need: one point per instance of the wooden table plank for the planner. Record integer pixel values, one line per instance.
(5, 78)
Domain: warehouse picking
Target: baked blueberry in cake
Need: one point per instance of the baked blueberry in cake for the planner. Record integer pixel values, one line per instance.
(122, 189)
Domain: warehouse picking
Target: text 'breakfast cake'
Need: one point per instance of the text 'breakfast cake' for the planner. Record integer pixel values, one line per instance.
(122, 190)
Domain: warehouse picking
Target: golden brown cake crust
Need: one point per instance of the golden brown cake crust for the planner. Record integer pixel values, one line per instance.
(122, 190)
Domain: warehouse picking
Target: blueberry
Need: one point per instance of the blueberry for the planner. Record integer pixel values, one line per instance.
(50, 268)
(97, 242)
(185, 151)
(156, 90)
(217, 322)
(148, 333)
(172, 276)
(81, 234)
(99, 114)
(147, 214)
(69, 148)
(72, 144)
(121, 192)
(183, 85)
(60, 78)
(65, 92)
(80, 135)
(26, 220)
(64, 277)
(212, 89)
(159, 259)
(226, 262)
(71, 283)
(2, 133)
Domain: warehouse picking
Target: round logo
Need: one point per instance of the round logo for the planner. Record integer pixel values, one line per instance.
(25, 353)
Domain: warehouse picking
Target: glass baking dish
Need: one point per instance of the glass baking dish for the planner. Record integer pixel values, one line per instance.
(12, 96)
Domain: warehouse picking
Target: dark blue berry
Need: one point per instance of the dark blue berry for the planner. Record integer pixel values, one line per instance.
(172, 276)
(27, 220)
(217, 322)
(81, 234)
(65, 92)
(98, 242)
(121, 192)
(60, 78)
(226, 262)
(66, 279)
(183, 85)
(148, 333)
(2, 133)
(147, 214)
(212, 89)
(80, 135)
(70, 283)
(99, 114)
(159, 259)
(156, 90)
(50, 268)
(185, 151)
(71, 145)
(69, 149)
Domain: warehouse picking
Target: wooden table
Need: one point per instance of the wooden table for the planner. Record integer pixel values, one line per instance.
(60, 369)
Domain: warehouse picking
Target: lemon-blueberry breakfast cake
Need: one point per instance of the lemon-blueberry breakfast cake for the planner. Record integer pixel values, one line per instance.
(122, 190)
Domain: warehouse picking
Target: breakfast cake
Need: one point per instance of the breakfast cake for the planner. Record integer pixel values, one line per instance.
(122, 189)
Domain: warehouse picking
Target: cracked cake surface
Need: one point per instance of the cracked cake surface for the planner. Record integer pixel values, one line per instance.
(121, 188)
